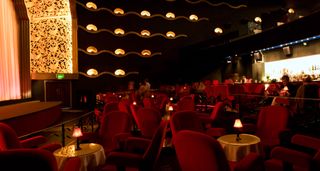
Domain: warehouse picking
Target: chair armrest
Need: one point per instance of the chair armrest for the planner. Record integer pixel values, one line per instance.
(252, 161)
(33, 141)
(291, 156)
(306, 141)
(137, 145)
(120, 139)
(124, 159)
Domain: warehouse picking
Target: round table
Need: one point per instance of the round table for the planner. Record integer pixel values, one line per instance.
(91, 155)
(237, 150)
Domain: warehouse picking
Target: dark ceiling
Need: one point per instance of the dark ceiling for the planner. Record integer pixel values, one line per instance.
(195, 41)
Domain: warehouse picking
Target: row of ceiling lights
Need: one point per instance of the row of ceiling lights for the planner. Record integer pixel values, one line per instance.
(146, 13)
(143, 13)
(119, 51)
(120, 31)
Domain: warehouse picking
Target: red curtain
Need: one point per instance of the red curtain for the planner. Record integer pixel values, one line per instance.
(9, 52)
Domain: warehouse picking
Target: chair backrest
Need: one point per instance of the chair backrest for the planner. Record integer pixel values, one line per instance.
(153, 151)
(27, 159)
(186, 103)
(198, 151)
(185, 120)
(8, 138)
(218, 111)
(124, 105)
(148, 120)
(113, 123)
(109, 107)
(271, 121)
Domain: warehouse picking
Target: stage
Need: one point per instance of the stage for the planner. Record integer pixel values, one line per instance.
(31, 116)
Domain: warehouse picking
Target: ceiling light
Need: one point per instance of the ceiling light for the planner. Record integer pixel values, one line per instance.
(119, 72)
(218, 30)
(118, 11)
(119, 52)
(91, 5)
(92, 49)
(193, 17)
(92, 72)
(146, 52)
(119, 31)
(291, 11)
(170, 15)
(257, 19)
(170, 34)
(145, 13)
(145, 33)
(91, 27)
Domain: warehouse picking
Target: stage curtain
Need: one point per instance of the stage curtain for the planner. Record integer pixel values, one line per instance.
(9, 52)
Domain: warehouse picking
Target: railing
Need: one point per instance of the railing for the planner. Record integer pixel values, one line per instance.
(79, 120)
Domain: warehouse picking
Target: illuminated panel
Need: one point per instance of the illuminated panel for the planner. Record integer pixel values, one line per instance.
(146, 52)
(119, 52)
(118, 11)
(218, 30)
(91, 5)
(92, 72)
(170, 15)
(193, 17)
(293, 67)
(50, 36)
(145, 13)
(119, 31)
(145, 33)
(92, 27)
(170, 34)
(119, 72)
(92, 49)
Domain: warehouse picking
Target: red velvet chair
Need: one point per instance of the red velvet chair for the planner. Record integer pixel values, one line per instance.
(189, 120)
(272, 122)
(186, 103)
(218, 117)
(35, 160)
(199, 152)
(10, 140)
(112, 124)
(303, 155)
(138, 153)
(148, 120)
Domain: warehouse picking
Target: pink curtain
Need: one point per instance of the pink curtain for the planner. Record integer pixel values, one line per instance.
(9, 53)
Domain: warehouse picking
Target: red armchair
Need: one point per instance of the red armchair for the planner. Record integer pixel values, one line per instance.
(199, 152)
(148, 120)
(34, 159)
(303, 155)
(218, 117)
(10, 140)
(112, 124)
(186, 103)
(138, 153)
(189, 120)
(272, 122)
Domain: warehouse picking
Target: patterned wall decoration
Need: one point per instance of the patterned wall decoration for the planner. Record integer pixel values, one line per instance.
(50, 36)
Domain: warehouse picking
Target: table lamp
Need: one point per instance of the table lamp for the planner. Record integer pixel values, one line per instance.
(77, 133)
(238, 125)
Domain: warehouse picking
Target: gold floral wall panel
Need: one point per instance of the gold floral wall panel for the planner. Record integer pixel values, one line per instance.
(50, 36)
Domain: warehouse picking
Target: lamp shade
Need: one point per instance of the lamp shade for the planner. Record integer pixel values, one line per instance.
(170, 108)
(237, 123)
(77, 132)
